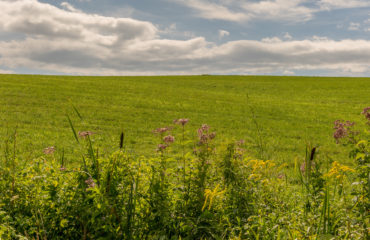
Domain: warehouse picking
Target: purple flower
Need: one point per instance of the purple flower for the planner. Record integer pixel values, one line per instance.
(90, 182)
(162, 130)
(366, 112)
(203, 134)
(340, 133)
(161, 147)
(181, 121)
(342, 129)
(169, 139)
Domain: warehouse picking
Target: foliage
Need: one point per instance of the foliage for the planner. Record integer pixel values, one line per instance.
(203, 191)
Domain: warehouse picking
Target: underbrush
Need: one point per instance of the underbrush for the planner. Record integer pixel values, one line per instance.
(203, 191)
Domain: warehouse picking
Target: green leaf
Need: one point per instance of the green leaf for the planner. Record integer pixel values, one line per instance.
(73, 129)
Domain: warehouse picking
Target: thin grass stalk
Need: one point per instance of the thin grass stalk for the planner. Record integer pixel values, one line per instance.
(328, 209)
(77, 112)
(73, 129)
(183, 157)
(94, 160)
(130, 211)
(13, 159)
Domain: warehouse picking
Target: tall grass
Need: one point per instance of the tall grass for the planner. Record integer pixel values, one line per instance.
(204, 191)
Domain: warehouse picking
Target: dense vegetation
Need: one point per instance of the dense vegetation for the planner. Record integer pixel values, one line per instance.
(271, 165)
(210, 192)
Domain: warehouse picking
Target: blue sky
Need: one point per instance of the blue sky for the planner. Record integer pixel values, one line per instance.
(161, 37)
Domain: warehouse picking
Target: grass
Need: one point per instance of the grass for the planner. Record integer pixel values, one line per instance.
(276, 114)
(287, 180)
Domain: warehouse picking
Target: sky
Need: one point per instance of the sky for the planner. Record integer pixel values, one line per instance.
(185, 37)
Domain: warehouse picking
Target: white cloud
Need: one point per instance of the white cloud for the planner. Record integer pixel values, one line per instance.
(290, 10)
(41, 20)
(69, 7)
(287, 72)
(288, 36)
(59, 40)
(212, 10)
(241, 11)
(3, 71)
(354, 26)
(281, 10)
(337, 4)
(223, 33)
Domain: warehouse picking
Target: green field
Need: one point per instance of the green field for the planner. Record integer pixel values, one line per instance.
(274, 185)
(279, 114)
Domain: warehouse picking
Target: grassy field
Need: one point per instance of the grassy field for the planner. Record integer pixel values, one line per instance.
(287, 180)
(276, 115)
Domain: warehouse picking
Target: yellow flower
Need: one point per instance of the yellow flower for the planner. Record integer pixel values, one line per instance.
(338, 170)
(210, 195)
(260, 168)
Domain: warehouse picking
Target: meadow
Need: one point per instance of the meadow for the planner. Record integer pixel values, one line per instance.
(184, 157)
(279, 114)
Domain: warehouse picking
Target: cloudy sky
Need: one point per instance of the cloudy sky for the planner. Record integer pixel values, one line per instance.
(161, 37)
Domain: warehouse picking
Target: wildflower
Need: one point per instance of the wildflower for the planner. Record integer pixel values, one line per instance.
(204, 127)
(62, 168)
(254, 176)
(181, 121)
(203, 138)
(169, 139)
(366, 112)
(203, 134)
(260, 168)
(84, 134)
(90, 182)
(49, 150)
(342, 129)
(210, 195)
(161, 147)
(161, 130)
(338, 170)
(240, 142)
